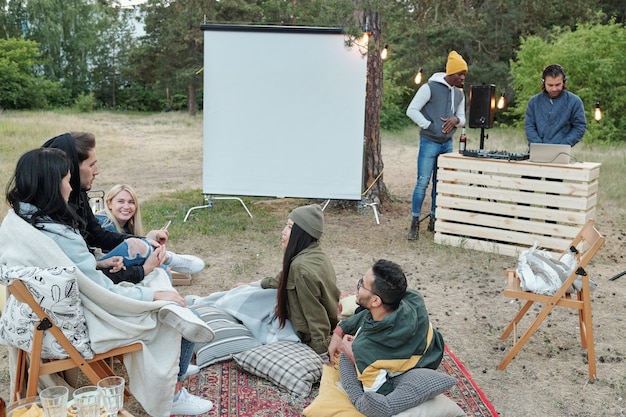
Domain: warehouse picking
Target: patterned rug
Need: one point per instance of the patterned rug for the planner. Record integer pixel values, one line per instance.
(237, 393)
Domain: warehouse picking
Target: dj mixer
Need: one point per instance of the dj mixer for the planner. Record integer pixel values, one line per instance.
(487, 154)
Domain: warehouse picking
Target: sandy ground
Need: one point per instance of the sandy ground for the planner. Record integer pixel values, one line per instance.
(462, 288)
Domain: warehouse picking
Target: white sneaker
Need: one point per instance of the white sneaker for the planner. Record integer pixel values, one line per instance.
(190, 326)
(185, 264)
(191, 370)
(187, 404)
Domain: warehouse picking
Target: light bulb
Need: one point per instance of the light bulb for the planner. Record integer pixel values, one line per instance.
(598, 113)
(418, 77)
(501, 102)
(384, 52)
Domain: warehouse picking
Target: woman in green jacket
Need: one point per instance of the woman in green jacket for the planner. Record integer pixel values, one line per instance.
(307, 285)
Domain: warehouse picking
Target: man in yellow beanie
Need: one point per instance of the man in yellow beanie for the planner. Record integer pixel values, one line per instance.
(438, 108)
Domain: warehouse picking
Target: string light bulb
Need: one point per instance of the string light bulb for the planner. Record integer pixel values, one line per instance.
(501, 102)
(418, 77)
(385, 52)
(598, 113)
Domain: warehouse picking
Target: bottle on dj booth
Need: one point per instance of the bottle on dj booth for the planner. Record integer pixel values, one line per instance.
(462, 141)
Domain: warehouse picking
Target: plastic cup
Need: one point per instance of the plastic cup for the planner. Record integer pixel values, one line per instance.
(54, 401)
(87, 401)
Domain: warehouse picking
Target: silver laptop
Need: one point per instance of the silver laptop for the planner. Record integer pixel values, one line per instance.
(550, 153)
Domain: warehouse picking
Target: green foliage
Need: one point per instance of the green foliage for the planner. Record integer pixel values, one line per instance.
(20, 86)
(85, 103)
(595, 64)
(393, 112)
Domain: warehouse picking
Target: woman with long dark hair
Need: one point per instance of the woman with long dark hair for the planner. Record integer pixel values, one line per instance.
(307, 285)
(38, 193)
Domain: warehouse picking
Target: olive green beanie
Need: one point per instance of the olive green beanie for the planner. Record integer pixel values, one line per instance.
(310, 219)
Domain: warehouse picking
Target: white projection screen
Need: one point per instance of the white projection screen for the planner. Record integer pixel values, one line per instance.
(284, 112)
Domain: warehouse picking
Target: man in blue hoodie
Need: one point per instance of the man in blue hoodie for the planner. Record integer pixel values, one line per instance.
(438, 108)
(555, 115)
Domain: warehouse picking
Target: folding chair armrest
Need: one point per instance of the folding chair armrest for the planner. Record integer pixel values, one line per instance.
(512, 280)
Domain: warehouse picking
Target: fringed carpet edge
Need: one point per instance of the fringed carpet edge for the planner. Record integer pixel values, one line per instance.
(470, 397)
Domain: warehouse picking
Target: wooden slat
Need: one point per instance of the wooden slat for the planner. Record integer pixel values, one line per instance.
(516, 196)
(541, 214)
(579, 171)
(537, 185)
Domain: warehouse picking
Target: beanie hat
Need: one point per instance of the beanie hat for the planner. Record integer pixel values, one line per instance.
(455, 63)
(310, 219)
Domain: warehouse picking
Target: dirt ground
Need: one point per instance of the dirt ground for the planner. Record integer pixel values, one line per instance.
(462, 288)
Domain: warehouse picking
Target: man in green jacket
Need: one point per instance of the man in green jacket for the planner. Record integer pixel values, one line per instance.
(391, 335)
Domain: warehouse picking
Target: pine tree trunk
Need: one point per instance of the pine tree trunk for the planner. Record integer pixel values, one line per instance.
(374, 187)
(192, 106)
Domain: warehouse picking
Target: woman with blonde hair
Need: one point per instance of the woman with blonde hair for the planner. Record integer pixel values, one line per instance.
(125, 219)
(122, 214)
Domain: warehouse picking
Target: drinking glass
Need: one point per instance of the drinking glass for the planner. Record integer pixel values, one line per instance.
(54, 401)
(111, 391)
(87, 401)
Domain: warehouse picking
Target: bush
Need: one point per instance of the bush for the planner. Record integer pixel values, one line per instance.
(85, 103)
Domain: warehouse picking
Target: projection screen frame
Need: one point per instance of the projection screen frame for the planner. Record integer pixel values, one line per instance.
(312, 162)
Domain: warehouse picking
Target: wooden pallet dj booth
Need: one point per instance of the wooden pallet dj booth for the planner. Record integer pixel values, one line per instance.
(504, 207)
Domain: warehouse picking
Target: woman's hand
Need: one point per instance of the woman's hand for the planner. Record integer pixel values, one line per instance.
(155, 260)
(113, 264)
(170, 296)
(159, 236)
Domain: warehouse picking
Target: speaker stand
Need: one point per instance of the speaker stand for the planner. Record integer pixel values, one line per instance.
(483, 137)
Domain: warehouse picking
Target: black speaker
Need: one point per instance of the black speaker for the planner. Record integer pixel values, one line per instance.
(482, 105)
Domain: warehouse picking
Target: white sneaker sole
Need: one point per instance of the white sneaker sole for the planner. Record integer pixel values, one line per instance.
(186, 323)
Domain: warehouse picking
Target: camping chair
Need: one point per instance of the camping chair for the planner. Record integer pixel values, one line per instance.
(30, 366)
(588, 241)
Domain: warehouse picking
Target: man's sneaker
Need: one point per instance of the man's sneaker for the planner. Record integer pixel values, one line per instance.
(185, 264)
(191, 370)
(189, 405)
(190, 326)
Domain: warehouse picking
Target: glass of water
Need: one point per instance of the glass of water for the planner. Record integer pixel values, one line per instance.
(87, 401)
(111, 391)
(54, 401)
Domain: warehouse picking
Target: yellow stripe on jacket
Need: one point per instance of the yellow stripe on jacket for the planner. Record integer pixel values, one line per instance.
(376, 374)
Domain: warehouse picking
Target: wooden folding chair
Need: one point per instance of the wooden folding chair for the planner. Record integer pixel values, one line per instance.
(588, 241)
(30, 366)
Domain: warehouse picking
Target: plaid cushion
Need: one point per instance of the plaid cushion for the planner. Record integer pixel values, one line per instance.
(290, 365)
(230, 337)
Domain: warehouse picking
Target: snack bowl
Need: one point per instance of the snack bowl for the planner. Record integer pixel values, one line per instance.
(26, 407)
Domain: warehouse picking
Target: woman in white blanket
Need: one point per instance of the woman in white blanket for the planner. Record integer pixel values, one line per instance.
(38, 193)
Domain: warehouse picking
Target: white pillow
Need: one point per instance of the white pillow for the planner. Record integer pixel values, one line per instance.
(56, 291)
(291, 365)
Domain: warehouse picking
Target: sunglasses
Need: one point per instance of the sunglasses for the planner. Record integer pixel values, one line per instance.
(360, 285)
